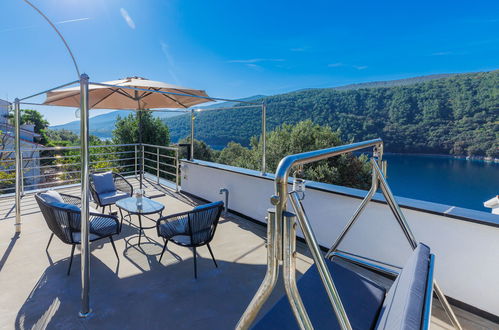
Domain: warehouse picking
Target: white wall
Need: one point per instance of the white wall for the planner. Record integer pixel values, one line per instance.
(467, 253)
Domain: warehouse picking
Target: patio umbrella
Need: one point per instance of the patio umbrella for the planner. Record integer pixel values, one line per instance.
(117, 94)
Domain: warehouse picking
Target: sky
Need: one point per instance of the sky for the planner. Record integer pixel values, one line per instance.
(236, 49)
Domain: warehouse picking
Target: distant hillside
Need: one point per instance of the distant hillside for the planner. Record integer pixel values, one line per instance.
(457, 114)
(103, 125)
(394, 83)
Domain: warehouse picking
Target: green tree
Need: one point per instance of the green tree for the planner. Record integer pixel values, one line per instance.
(346, 170)
(153, 130)
(202, 151)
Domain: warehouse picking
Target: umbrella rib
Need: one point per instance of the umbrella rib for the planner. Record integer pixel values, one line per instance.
(178, 102)
(102, 99)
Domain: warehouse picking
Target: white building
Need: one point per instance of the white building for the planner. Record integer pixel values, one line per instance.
(30, 150)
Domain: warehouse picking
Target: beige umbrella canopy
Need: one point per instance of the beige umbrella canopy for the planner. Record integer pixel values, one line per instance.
(121, 97)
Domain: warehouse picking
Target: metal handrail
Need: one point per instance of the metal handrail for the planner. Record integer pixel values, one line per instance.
(124, 159)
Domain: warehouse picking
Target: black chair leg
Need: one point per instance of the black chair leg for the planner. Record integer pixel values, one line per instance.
(195, 263)
(162, 252)
(114, 247)
(50, 240)
(71, 259)
(103, 210)
(212, 256)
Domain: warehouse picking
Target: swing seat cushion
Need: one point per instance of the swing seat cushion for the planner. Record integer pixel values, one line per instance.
(361, 298)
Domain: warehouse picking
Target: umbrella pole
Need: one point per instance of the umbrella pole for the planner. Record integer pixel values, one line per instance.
(85, 245)
(141, 148)
(192, 135)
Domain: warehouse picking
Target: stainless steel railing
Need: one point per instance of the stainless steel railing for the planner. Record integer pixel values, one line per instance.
(44, 167)
(281, 237)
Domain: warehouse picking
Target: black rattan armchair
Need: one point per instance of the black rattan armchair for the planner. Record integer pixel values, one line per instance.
(65, 223)
(123, 189)
(191, 229)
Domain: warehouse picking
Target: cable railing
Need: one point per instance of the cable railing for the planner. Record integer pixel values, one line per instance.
(47, 167)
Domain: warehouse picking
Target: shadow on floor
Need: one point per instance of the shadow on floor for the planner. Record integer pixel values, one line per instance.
(165, 296)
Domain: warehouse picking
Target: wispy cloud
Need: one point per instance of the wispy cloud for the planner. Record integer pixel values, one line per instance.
(127, 18)
(35, 26)
(298, 49)
(340, 64)
(257, 60)
(169, 61)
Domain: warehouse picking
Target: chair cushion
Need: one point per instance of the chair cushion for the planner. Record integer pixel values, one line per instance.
(103, 182)
(361, 298)
(51, 196)
(174, 228)
(112, 197)
(205, 206)
(77, 237)
(404, 302)
(103, 226)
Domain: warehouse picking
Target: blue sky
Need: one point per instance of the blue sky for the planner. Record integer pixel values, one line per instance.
(241, 48)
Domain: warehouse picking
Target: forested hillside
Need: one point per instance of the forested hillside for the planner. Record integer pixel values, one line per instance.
(455, 115)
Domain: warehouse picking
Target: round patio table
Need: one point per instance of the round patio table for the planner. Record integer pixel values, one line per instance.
(132, 207)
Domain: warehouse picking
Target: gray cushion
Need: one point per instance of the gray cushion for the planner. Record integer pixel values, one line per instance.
(404, 302)
(51, 196)
(103, 182)
(112, 197)
(174, 228)
(361, 298)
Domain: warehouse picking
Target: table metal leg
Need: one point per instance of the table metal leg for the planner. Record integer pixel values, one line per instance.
(140, 228)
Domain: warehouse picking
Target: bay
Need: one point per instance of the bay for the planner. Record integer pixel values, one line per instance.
(442, 179)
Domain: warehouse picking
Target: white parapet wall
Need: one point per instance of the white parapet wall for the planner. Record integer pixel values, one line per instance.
(465, 242)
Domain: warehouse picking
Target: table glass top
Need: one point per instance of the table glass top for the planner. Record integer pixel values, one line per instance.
(131, 204)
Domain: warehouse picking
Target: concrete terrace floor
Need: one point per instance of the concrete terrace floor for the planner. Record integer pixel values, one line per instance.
(138, 292)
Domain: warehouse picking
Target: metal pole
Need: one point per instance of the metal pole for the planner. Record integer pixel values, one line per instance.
(141, 178)
(135, 155)
(192, 134)
(289, 270)
(264, 138)
(360, 209)
(270, 278)
(157, 165)
(176, 170)
(17, 115)
(22, 174)
(332, 292)
(85, 248)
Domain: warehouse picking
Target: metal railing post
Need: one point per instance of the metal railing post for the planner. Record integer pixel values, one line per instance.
(17, 115)
(192, 134)
(264, 138)
(84, 154)
(22, 174)
(176, 170)
(157, 165)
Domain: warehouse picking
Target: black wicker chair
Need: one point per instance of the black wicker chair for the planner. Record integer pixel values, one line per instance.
(66, 223)
(191, 229)
(124, 189)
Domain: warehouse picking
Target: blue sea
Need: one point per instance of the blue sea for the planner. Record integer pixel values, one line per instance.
(445, 180)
